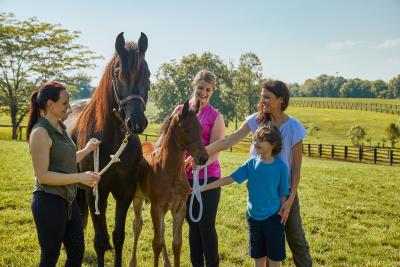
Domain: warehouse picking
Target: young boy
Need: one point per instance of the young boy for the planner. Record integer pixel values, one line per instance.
(267, 188)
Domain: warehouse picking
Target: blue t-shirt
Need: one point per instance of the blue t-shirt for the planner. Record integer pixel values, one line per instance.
(292, 132)
(267, 183)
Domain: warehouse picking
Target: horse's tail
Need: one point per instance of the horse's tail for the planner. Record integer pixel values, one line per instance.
(83, 207)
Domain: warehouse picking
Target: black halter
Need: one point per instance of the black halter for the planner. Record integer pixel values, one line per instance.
(122, 102)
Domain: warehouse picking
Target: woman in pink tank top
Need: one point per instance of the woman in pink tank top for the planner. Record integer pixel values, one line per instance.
(203, 239)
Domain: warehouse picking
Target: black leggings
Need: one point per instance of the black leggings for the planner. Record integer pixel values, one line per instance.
(54, 227)
(203, 239)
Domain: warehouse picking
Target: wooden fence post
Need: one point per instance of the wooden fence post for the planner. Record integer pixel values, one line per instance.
(320, 150)
(391, 157)
(309, 150)
(332, 151)
(360, 153)
(20, 133)
(375, 155)
(345, 152)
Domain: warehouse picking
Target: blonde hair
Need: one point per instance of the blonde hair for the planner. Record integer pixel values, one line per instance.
(205, 75)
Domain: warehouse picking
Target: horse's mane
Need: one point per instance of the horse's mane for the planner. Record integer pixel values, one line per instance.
(93, 116)
(99, 110)
(165, 133)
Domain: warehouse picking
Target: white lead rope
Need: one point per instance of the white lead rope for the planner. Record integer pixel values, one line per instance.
(196, 192)
(114, 158)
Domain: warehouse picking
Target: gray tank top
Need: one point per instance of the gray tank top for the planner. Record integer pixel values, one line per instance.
(62, 159)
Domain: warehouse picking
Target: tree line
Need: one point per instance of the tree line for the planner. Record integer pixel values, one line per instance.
(337, 86)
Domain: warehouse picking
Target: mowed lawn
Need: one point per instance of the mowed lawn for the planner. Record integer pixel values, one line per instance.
(350, 214)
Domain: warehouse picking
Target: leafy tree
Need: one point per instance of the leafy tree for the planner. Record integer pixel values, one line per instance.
(81, 87)
(356, 134)
(32, 52)
(294, 90)
(310, 88)
(379, 88)
(174, 84)
(392, 132)
(394, 86)
(356, 88)
(329, 86)
(246, 83)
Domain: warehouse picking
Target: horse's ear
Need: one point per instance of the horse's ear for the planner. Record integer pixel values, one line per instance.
(143, 43)
(197, 107)
(185, 108)
(120, 45)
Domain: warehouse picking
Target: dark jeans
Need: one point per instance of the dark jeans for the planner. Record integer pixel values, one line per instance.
(296, 238)
(54, 227)
(203, 239)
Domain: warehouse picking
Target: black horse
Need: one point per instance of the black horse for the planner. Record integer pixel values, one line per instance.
(116, 108)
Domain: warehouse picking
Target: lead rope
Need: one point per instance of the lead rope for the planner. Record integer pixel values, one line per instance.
(196, 192)
(114, 158)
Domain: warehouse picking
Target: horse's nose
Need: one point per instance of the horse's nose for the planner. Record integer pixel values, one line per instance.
(136, 126)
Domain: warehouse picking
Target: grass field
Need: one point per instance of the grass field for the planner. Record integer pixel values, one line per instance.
(350, 214)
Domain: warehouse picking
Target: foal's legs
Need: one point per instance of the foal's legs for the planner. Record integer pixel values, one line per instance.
(157, 216)
(101, 237)
(178, 215)
(167, 263)
(137, 227)
(123, 201)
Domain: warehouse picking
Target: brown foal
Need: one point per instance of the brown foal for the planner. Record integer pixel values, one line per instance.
(164, 181)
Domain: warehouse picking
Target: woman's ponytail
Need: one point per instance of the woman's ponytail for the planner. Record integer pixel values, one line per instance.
(34, 113)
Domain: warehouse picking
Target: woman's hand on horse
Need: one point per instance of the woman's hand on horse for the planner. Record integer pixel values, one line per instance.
(89, 178)
(285, 210)
(92, 144)
(189, 163)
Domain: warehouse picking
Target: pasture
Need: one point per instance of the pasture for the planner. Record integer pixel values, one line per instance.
(350, 214)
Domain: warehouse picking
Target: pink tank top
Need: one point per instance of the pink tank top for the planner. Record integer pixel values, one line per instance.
(207, 117)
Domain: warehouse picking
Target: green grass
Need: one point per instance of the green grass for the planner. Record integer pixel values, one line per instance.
(350, 214)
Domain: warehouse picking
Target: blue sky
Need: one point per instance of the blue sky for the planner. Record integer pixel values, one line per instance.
(295, 40)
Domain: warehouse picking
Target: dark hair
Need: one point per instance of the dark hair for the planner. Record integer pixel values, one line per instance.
(279, 89)
(271, 134)
(38, 100)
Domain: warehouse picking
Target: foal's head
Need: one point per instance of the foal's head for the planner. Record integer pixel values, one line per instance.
(188, 133)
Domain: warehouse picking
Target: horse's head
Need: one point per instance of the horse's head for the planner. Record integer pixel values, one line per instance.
(131, 82)
(189, 133)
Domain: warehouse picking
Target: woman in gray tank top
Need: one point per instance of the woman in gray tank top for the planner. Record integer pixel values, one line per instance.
(54, 158)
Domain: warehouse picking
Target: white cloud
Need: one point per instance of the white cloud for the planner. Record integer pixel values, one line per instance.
(344, 44)
(389, 43)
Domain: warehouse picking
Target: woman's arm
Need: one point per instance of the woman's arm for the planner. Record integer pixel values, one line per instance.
(297, 156)
(217, 133)
(295, 172)
(40, 144)
(91, 145)
(218, 183)
(230, 140)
